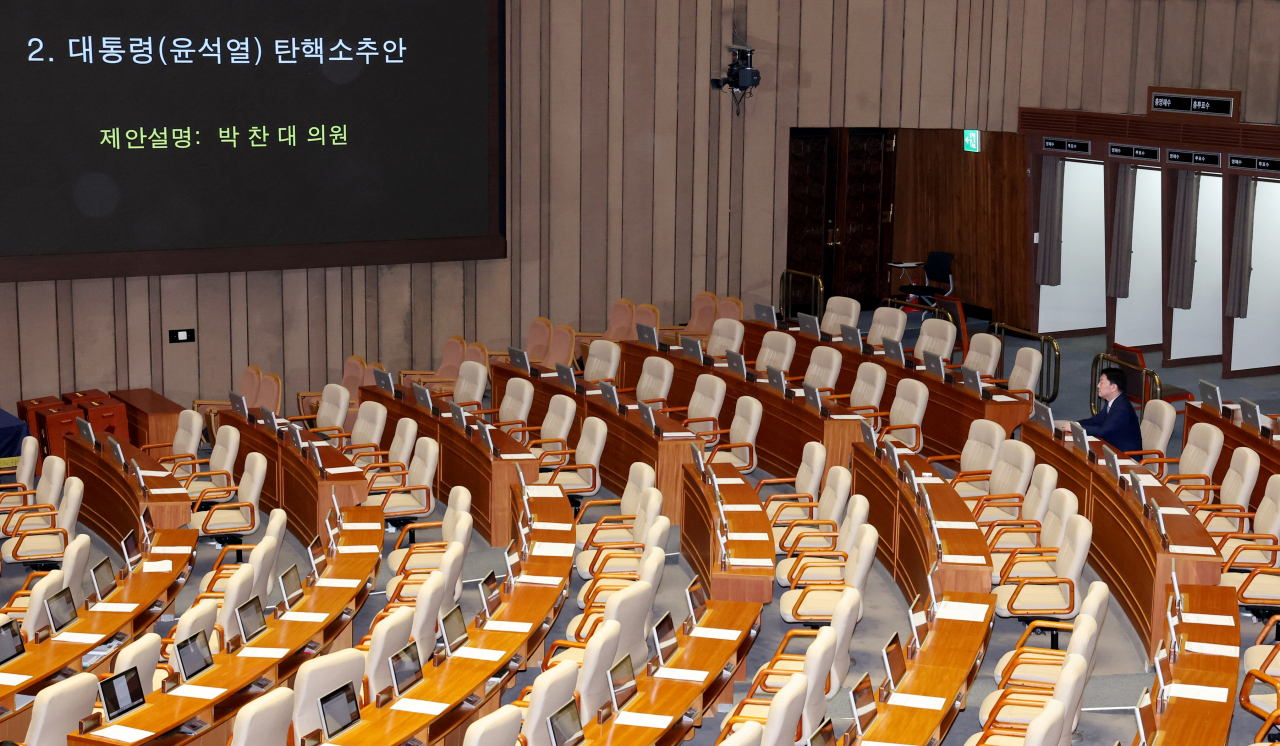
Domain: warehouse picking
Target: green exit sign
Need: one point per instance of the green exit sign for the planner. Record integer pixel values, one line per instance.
(973, 141)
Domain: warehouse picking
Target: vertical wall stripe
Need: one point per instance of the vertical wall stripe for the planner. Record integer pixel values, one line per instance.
(937, 63)
(594, 165)
(10, 340)
(239, 295)
(66, 338)
(294, 314)
(213, 310)
(912, 61)
(637, 150)
(617, 91)
(395, 317)
(121, 327)
(1145, 52)
(38, 342)
(759, 145)
(686, 103)
(702, 174)
(665, 72)
(446, 302)
(93, 334)
(788, 97)
(420, 295)
(867, 55)
(178, 310)
(317, 331)
(565, 52)
(815, 60)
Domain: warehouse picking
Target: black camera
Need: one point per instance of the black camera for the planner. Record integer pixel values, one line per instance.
(740, 75)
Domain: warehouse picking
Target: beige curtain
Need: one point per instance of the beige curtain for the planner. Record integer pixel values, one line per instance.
(1182, 258)
(1237, 305)
(1122, 233)
(1049, 250)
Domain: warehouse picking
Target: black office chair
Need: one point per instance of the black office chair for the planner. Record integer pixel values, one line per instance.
(937, 269)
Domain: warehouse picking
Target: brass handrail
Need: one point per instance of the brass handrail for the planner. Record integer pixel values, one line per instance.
(816, 292)
(1151, 391)
(1050, 355)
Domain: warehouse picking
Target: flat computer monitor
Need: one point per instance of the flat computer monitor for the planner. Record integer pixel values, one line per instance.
(766, 314)
(454, 629)
(824, 735)
(1145, 714)
(295, 435)
(238, 405)
(269, 419)
(934, 366)
(1112, 461)
(61, 609)
(1251, 414)
(622, 683)
(486, 436)
(423, 396)
(647, 335)
(692, 348)
(696, 596)
(117, 453)
(777, 378)
(972, 380)
(339, 710)
(895, 663)
(1164, 671)
(1210, 395)
(11, 644)
(252, 621)
(382, 379)
(86, 431)
(121, 694)
(316, 553)
(868, 434)
(332, 526)
(609, 393)
(737, 363)
(490, 594)
(565, 725)
(104, 578)
(194, 655)
(862, 701)
(459, 415)
(520, 359)
(851, 336)
(809, 325)
(1042, 414)
(919, 617)
(291, 587)
(565, 375)
(1139, 489)
(129, 549)
(664, 639)
(406, 669)
(893, 351)
(647, 416)
(1080, 439)
(812, 397)
(698, 461)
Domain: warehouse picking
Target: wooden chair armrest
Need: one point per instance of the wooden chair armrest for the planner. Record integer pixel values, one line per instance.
(1024, 582)
(253, 519)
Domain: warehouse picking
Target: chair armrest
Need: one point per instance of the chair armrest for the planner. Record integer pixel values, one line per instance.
(1024, 582)
(582, 510)
(253, 519)
(591, 487)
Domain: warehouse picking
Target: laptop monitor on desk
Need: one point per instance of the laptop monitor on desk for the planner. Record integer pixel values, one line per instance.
(862, 701)
(692, 348)
(104, 578)
(933, 365)
(1210, 395)
(406, 669)
(777, 379)
(565, 375)
(129, 549)
(972, 380)
(738, 364)
(121, 694)
(893, 351)
(696, 596)
(647, 335)
(239, 406)
(1251, 414)
(895, 664)
(622, 683)
(454, 629)
(520, 359)
(117, 453)
(1080, 439)
(194, 655)
(565, 725)
(851, 336)
(825, 735)
(664, 639)
(86, 431)
(382, 379)
(423, 395)
(252, 621)
(61, 609)
(766, 314)
(1042, 415)
(809, 325)
(291, 587)
(339, 710)
(11, 644)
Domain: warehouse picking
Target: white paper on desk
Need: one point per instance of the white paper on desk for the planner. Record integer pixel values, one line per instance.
(12, 679)
(361, 526)
(1217, 620)
(539, 579)
(158, 566)
(170, 550)
(750, 562)
(343, 470)
(675, 434)
(309, 443)
(518, 457)
(793, 328)
(500, 626)
(1002, 398)
(544, 490)
(80, 638)
(1183, 549)
(740, 508)
(1192, 691)
(480, 654)
(749, 536)
(303, 616)
(729, 480)
(114, 608)
(633, 406)
(720, 365)
(964, 559)
(447, 414)
(1209, 648)
(550, 375)
(1149, 480)
(359, 549)
(957, 525)
(877, 352)
(552, 549)
(161, 473)
(198, 692)
(837, 338)
(916, 700)
(167, 490)
(338, 583)
(546, 526)
(920, 618)
(122, 733)
(846, 416)
(930, 480)
(961, 611)
(272, 653)
(879, 743)
(595, 392)
(1174, 511)
(682, 674)
(419, 706)
(797, 392)
(626, 717)
(715, 633)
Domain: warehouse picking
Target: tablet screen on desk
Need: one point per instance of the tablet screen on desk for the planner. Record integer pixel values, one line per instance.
(129, 549)
(116, 453)
(104, 578)
(1251, 414)
(11, 645)
(825, 735)
(862, 699)
(895, 664)
(893, 351)
(696, 595)
(291, 587)
(809, 325)
(1211, 395)
(62, 610)
(622, 683)
(86, 431)
(565, 726)
(933, 364)
(565, 375)
(339, 710)
(459, 415)
(406, 668)
(777, 378)
(238, 405)
(972, 380)
(423, 395)
(520, 359)
(692, 348)
(252, 621)
(737, 363)
(382, 380)
(315, 551)
(490, 594)
(1080, 439)
(664, 639)
(121, 694)
(646, 416)
(851, 336)
(1144, 713)
(1043, 415)
(454, 628)
(194, 655)
(647, 335)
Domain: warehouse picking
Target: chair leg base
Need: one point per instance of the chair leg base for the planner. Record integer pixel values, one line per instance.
(41, 566)
(1053, 633)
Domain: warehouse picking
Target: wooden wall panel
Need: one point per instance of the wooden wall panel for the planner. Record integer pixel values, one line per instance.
(38, 338)
(138, 323)
(93, 329)
(213, 311)
(10, 363)
(296, 373)
(566, 157)
(665, 84)
(66, 337)
(182, 359)
(395, 317)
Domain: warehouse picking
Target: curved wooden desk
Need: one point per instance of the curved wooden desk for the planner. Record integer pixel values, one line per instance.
(700, 545)
(152, 418)
(1235, 435)
(113, 504)
(465, 461)
(236, 673)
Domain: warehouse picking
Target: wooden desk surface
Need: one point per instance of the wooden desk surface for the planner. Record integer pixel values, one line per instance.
(113, 504)
(1235, 435)
(701, 547)
(233, 673)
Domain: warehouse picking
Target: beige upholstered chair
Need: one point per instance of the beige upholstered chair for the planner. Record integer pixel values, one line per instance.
(1044, 730)
(595, 592)
(1010, 474)
(983, 355)
(1024, 381)
(814, 544)
(840, 310)
(640, 477)
(936, 336)
(978, 455)
(412, 494)
(231, 520)
(906, 416)
(201, 616)
(815, 668)
(1044, 479)
(602, 361)
(825, 514)
(48, 491)
(655, 381)
(1158, 419)
(378, 465)
(74, 561)
(1018, 707)
(264, 719)
(385, 640)
(815, 594)
(1196, 464)
(239, 590)
(264, 564)
(1049, 586)
(539, 339)
(226, 447)
(1094, 606)
(747, 734)
(648, 315)
(499, 728)
(702, 313)
(1237, 483)
(624, 533)
(1044, 525)
(185, 443)
(868, 389)
(776, 351)
(782, 719)
(59, 708)
(455, 351)
(726, 336)
(805, 485)
(1040, 668)
(582, 475)
(331, 410)
(316, 678)
(561, 348)
(24, 472)
(517, 400)
(143, 654)
(1241, 534)
(554, 429)
(478, 353)
(310, 402)
(365, 435)
(593, 686)
(425, 556)
(730, 308)
(46, 543)
(628, 607)
(38, 512)
(741, 448)
(823, 370)
(469, 387)
(37, 616)
(250, 382)
(550, 691)
(703, 412)
(886, 323)
(407, 587)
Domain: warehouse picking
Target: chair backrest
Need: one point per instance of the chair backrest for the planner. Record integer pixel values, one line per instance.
(459, 503)
(726, 336)
(1135, 378)
(658, 534)
(816, 667)
(1035, 504)
(239, 589)
(629, 607)
(602, 360)
(824, 368)
(984, 354)
(746, 424)
(559, 418)
(75, 559)
(813, 465)
(1026, 370)
(459, 529)
(655, 378)
(1068, 691)
(560, 350)
(275, 529)
(834, 500)
(551, 690)
(451, 567)
(226, 447)
(455, 351)
(855, 515)
(426, 612)
(52, 720)
(1011, 472)
(517, 400)
(980, 449)
(1045, 728)
(478, 353)
(335, 400)
(49, 489)
(909, 404)
(316, 678)
(591, 443)
(593, 676)
(622, 320)
(1200, 454)
(352, 376)
(269, 392)
(37, 616)
(785, 710)
(706, 401)
(69, 508)
(539, 338)
(1074, 550)
(251, 480)
(265, 719)
(776, 350)
(185, 440)
(261, 558)
(1267, 520)
(144, 653)
(843, 622)
(402, 442)
(1158, 418)
(1084, 639)
(937, 336)
(1241, 476)
(1096, 602)
(473, 379)
(498, 728)
(702, 313)
(640, 477)
(887, 323)
(201, 616)
(388, 638)
(649, 509)
(648, 315)
(840, 310)
(730, 308)
(937, 266)
(370, 421)
(1063, 506)
(858, 566)
(868, 387)
(250, 382)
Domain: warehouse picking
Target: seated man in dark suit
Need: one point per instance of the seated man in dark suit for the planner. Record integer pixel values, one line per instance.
(1116, 421)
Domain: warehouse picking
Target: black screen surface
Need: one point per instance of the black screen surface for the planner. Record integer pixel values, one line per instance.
(147, 125)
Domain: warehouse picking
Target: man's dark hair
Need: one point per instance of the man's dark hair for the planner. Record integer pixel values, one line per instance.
(1116, 376)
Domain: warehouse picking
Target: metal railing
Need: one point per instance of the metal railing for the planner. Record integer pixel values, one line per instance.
(1050, 356)
(1150, 391)
(786, 285)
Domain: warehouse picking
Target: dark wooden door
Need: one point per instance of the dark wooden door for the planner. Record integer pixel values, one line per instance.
(840, 208)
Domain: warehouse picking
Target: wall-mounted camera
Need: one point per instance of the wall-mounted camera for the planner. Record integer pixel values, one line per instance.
(740, 77)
